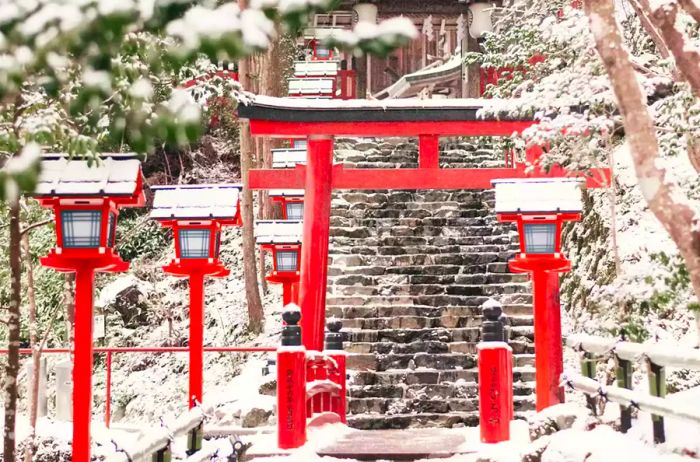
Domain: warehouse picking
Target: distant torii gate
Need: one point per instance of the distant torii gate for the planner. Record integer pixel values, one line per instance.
(321, 120)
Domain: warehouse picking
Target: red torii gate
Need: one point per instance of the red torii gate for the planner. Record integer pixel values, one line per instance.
(321, 120)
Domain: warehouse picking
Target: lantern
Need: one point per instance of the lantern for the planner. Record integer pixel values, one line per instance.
(283, 240)
(86, 199)
(539, 207)
(291, 200)
(197, 214)
(480, 18)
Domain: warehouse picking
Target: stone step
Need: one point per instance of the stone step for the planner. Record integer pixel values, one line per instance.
(403, 335)
(459, 389)
(399, 406)
(427, 376)
(520, 345)
(395, 262)
(377, 216)
(365, 232)
(394, 310)
(429, 300)
(472, 243)
(401, 421)
(371, 362)
(421, 322)
(346, 218)
(429, 289)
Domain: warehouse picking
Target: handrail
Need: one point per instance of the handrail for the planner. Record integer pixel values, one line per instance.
(655, 358)
(661, 355)
(641, 401)
(159, 440)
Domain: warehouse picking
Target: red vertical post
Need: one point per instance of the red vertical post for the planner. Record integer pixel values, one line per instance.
(295, 293)
(314, 252)
(495, 399)
(548, 349)
(554, 338)
(428, 151)
(291, 385)
(287, 296)
(196, 338)
(82, 364)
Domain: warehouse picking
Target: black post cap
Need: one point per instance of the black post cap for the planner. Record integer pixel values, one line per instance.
(334, 338)
(291, 332)
(492, 328)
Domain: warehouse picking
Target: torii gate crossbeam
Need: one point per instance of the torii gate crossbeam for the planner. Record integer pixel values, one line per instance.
(321, 120)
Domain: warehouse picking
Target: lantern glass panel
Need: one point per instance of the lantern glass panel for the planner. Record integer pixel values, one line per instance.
(81, 228)
(299, 144)
(194, 243)
(287, 260)
(540, 238)
(295, 211)
(322, 52)
(111, 229)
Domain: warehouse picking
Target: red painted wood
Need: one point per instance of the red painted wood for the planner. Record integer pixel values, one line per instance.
(196, 340)
(82, 364)
(407, 178)
(495, 395)
(291, 397)
(428, 151)
(314, 252)
(280, 129)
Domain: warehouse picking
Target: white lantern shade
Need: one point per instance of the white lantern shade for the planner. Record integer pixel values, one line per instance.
(540, 238)
(81, 229)
(366, 12)
(194, 243)
(480, 15)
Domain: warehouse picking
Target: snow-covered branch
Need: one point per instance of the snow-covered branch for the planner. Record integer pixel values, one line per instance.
(666, 201)
(692, 7)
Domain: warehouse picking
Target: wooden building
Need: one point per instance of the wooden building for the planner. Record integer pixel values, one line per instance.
(437, 22)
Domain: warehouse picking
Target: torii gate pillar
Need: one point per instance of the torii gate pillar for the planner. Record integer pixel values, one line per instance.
(314, 249)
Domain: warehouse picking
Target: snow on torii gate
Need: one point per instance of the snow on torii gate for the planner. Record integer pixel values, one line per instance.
(321, 120)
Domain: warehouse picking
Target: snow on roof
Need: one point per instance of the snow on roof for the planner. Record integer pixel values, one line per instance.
(286, 193)
(315, 68)
(278, 231)
(310, 86)
(116, 174)
(538, 195)
(288, 158)
(404, 103)
(196, 201)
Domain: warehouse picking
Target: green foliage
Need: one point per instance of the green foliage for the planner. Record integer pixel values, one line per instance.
(141, 238)
(676, 284)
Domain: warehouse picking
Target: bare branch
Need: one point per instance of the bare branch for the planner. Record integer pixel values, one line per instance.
(29, 228)
(692, 8)
(641, 8)
(687, 56)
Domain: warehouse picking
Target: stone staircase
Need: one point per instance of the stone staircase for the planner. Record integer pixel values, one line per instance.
(408, 273)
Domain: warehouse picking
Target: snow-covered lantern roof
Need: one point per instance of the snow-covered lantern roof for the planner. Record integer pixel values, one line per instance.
(196, 214)
(306, 69)
(86, 195)
(288, 157)
(283, 239)
(539, 207)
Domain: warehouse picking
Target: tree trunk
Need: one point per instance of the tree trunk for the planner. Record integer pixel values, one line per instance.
(13, 328)
(473, 77)
(256, 314)
(664, 197)
(30, 449)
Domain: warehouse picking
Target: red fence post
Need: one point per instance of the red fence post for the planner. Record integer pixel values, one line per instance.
(495, 378)
(108, 391)
(82, 364)
(291, 385)
(334, 349)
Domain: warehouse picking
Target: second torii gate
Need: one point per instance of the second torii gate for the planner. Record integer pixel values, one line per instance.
(321, 120)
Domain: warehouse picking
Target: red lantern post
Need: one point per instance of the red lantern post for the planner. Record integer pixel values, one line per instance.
(86, 203)
(283, 240)
(539, 208)
(196, 214)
